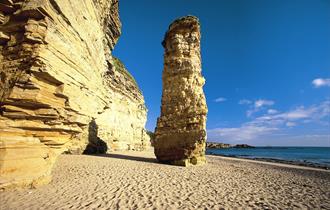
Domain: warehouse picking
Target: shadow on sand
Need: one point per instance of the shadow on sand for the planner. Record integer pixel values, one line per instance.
(128, 157)
(95, 144)
(98, 147)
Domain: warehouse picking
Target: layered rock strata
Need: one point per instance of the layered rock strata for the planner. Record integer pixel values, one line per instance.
(180, 134)
(60, 88)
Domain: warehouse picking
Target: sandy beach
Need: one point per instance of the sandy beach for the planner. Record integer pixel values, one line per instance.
(134, 180)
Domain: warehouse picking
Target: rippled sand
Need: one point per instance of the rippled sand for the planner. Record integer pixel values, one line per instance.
(136, 181)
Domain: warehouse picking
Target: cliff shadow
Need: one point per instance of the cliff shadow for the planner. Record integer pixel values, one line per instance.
(129, 157)
(95, 144)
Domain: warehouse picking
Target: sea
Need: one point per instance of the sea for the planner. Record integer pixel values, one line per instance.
(308, 156)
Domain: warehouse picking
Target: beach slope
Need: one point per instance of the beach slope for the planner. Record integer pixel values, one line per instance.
(135, 180)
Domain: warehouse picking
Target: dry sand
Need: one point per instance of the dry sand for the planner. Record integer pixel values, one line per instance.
(136, 181)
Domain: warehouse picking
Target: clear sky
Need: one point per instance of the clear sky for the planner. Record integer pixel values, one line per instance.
(266, 65)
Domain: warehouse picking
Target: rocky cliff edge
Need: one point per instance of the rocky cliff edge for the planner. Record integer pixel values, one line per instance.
(61, 90)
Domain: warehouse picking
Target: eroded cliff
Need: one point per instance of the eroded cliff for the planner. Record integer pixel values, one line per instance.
(180, 134)
(60, 88)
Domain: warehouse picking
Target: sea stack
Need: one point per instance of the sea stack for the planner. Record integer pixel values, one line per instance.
(180, 134)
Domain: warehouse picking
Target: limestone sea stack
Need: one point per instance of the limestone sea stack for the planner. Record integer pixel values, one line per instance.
(180, 134)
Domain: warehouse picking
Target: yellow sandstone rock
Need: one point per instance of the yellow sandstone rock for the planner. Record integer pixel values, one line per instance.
(180, 134)
(61, 90)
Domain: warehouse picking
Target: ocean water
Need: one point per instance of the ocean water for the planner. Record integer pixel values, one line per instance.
(308, 155)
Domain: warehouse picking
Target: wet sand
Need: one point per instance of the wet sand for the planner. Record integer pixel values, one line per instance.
(134, 180)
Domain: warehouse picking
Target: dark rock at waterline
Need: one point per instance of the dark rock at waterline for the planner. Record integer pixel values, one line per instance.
(243, 146)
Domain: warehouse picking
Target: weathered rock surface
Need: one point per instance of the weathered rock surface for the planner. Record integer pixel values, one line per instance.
(180, 134)
(60, 87)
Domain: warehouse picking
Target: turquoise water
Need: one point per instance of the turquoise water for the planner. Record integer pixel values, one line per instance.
(312, 155)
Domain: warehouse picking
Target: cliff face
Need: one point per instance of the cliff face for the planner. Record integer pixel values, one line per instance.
(181, 129)
(60, 88)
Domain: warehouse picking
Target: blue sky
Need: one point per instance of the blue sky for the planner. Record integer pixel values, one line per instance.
(266, 65)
